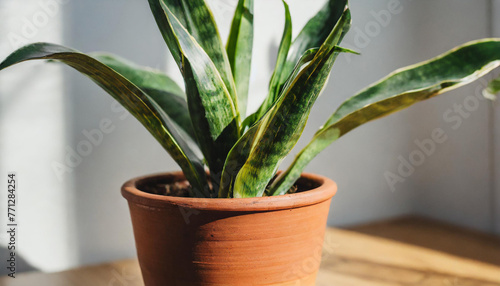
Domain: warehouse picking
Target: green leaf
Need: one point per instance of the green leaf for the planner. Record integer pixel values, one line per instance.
(266, 143)
(235, 160)
(197, 18)
(397, 91)
(131, 97)
(286, 40)
(493, 89)
(175, 107)
(162, 89)
(239, 50)
(143, 77)
(310, 37)
(214, 116)
(213, 93)
(313, 34)
(306, 57)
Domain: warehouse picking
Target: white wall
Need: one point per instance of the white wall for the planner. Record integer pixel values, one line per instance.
(86, 204)
(496, 127)
(100, 212)
(33, 134)
(455, 182)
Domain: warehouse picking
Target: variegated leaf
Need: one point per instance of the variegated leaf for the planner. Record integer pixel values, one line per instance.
(239, 50)
(397, 91)
(131, 97)
(272, 138)
(311, 36)
(161, 88)
(197, 18)
(213, 113)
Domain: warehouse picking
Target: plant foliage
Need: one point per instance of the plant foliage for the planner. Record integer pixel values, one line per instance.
(243, 153)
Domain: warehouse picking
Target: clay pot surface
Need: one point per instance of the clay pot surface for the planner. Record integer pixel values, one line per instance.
(251, 241)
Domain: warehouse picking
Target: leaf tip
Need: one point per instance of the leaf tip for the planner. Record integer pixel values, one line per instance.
(489, 95)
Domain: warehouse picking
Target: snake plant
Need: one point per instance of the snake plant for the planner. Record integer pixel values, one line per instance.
(243, 153)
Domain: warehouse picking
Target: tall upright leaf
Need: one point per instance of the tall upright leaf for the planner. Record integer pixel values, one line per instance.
(162, 89)
(235, 161)
(131, 97)
(398, 90)
(214, 116)
(311, 36)
(278, 131)
(197, 18)
(286, 40)
(307, 57)
(304, 60)
(314, 34)
(239, 50)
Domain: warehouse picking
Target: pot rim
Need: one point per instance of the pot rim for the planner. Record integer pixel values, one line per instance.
(325, 191)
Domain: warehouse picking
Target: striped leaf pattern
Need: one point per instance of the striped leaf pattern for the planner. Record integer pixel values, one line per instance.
(162, 89)
(131, 97)
(213, 111)
(197, 18)
(285, 43)
(280, 128)
(397, 91)
(201, 124)
(239, 50)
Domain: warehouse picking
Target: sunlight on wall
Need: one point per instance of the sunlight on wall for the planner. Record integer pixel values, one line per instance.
(31, 98)
(82, 219)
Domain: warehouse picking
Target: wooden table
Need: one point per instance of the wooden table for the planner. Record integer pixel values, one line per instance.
(406, 251)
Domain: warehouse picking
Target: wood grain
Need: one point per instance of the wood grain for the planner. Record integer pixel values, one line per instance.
(437, 235)
(408, 251)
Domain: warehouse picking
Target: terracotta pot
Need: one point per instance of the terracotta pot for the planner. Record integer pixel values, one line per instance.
(253, 241)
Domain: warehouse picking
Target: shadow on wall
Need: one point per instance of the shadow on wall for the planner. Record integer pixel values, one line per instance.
(21, 264)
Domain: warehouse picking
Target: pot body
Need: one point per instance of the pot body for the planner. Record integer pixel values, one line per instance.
(252, 241)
